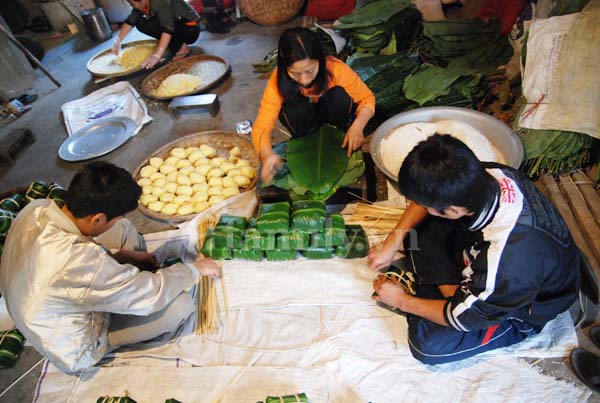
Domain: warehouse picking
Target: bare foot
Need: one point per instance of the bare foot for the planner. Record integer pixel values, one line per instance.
(182, 53)
(431, 9)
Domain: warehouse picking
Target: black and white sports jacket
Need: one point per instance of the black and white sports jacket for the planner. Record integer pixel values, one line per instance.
(522, 263)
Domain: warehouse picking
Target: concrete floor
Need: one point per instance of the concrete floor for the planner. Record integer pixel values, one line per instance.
(239, 95)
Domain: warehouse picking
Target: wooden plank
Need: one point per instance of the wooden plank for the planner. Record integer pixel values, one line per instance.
(587, 224)
(586, 187)
(561, 205)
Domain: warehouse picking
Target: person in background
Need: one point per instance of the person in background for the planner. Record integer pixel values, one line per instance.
(72, 297)
(493, 259)
(307, 90)
(173, 22)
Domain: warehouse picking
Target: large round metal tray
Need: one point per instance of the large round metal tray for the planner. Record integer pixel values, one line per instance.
(222, 143)
(95, 71)
(96, 139)
(499, 134)
(209, 68)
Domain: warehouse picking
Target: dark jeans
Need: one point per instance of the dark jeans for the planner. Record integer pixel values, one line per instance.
(436, 259)
(182, 34)
(335, 107)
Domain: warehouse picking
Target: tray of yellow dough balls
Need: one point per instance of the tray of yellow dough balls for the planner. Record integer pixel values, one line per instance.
(185, 77)
(133, 54)
(189, 175)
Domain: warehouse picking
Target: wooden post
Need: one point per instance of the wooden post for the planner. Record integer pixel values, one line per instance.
(31, 57)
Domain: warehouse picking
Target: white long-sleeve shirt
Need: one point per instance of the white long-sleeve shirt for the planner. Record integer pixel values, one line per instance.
(60, 286)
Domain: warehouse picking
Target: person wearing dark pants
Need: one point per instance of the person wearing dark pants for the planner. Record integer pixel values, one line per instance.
(307, 90)
(493, 261)
(173, 22)
(335, 107)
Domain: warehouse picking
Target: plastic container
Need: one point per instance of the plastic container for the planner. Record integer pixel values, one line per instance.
(96, 24)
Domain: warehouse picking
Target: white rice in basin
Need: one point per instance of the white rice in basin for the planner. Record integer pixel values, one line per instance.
(399, 142)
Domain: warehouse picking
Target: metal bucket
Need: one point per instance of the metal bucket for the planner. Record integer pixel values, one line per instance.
(96, 24)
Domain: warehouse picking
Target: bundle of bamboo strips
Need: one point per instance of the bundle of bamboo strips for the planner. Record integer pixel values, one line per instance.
(377, 221)
(579, 204)
(208, 312)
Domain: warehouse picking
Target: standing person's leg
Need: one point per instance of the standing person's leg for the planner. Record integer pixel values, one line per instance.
(149, 26)
(130, 329)
(185, 33)
(300, 119)
(337, 108)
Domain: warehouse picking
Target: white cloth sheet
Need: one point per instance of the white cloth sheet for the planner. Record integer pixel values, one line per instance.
(292, 335)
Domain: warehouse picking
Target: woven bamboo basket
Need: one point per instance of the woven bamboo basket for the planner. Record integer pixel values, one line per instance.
(210, 69)
(271, 12)
(222, 142)
(94, 66)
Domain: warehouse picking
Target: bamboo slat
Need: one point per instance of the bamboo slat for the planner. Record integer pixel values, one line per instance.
(586, 187)
(587, 224)
(561, 204)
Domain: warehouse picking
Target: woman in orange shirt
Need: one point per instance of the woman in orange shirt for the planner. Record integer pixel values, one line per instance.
(307, 90)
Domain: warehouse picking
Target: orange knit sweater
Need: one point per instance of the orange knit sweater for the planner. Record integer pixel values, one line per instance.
(270, 105)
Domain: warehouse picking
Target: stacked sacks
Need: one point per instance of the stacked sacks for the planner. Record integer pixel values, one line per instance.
(283, 233)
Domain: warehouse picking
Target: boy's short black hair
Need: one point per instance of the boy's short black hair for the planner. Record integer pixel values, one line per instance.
(441, 172)
(101, 187)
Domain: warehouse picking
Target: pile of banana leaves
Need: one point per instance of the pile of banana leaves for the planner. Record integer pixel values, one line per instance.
(455, 85)
(316, 165)
(555, 151)
(372, 26)
(478, 44)
(385, 75)
(441, 63)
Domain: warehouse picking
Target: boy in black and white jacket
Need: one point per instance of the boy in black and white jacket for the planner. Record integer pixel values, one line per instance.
(493, 259)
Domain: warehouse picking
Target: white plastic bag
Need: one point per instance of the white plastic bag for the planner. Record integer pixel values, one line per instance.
(117, 100)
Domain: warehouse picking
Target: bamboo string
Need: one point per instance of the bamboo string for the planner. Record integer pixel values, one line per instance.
(207, 310)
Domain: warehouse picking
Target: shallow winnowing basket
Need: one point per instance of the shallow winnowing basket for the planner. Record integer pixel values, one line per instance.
(222, 142)
(96, 67)
(210, 69)
(270, 12)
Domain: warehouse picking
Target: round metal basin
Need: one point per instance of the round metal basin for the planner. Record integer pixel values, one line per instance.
(499, 134)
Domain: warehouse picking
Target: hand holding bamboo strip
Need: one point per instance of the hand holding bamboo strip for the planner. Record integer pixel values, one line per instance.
(377, 220)
(208, 308)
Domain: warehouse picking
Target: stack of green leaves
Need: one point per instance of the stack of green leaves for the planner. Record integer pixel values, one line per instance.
(384, 75)
(10, 206)
(371, 26)
(554, 151)
(478, 44)
(316, 165)
(278, 235)
(11, 344)
(455, 85)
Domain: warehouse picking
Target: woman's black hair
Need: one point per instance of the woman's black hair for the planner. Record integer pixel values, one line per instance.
(101, 187)
(442, 171)
(298, 44)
